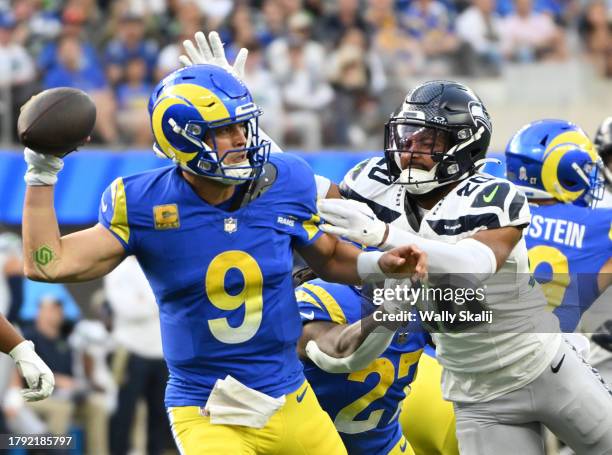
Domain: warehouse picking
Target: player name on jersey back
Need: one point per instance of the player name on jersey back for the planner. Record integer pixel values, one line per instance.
(563, 232)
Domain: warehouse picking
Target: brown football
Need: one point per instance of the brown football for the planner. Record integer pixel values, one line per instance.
(56, 121)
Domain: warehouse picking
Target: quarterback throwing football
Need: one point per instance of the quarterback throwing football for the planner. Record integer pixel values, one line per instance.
(214, 235)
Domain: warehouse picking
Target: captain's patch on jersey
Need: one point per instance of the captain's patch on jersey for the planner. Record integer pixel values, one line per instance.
(166, 216)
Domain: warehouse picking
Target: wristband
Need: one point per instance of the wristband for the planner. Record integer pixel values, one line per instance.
(368, 267)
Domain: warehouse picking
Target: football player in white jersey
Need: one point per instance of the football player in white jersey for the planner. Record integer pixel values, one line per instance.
(504, 380)
(507, 377)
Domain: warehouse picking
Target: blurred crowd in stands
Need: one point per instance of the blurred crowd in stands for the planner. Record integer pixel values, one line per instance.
(325, 72)
(105, 354)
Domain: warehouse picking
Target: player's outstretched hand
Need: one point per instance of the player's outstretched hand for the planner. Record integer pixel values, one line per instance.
(211, 52)
(36, 373)
(352, 220)
(404, 261)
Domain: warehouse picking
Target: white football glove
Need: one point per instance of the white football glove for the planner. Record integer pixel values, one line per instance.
(352, 220)
(211, 52)
(42, 169)
(36, 373)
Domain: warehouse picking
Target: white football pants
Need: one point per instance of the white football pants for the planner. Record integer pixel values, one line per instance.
(569, 398)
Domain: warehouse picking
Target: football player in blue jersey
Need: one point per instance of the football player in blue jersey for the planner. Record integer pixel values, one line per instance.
(362, 392)
(214, 235)
(569, 245)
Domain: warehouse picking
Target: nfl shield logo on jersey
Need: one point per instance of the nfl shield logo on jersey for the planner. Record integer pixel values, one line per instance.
(230, 225)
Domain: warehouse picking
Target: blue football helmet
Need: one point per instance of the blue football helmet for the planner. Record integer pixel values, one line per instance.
(555, 159)
(186, 108)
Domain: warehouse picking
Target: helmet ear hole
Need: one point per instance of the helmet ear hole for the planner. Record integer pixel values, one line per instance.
(568, 183)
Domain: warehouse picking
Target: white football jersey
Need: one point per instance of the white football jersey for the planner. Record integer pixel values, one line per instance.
(523, 337)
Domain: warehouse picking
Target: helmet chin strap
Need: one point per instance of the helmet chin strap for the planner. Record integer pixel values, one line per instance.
(236, 176)
(481, 163)
(418, 181)
(230, 176)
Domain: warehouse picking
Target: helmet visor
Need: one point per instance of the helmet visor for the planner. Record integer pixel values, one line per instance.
(413, 146)
(239, 163)
(407, 138)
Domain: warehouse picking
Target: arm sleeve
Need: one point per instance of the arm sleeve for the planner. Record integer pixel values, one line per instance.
(466, 256)
(496, 205)
(316, 302)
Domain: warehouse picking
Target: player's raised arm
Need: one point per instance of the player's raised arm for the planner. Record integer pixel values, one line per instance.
(70, 115)
(81, 256)
(210, 51)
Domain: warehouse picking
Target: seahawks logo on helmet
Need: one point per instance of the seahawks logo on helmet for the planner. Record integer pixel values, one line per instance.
(478, 115)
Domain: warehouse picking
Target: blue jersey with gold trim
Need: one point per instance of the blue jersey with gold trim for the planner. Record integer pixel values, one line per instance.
(365, 404)
(568, 245)
(222, 279)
